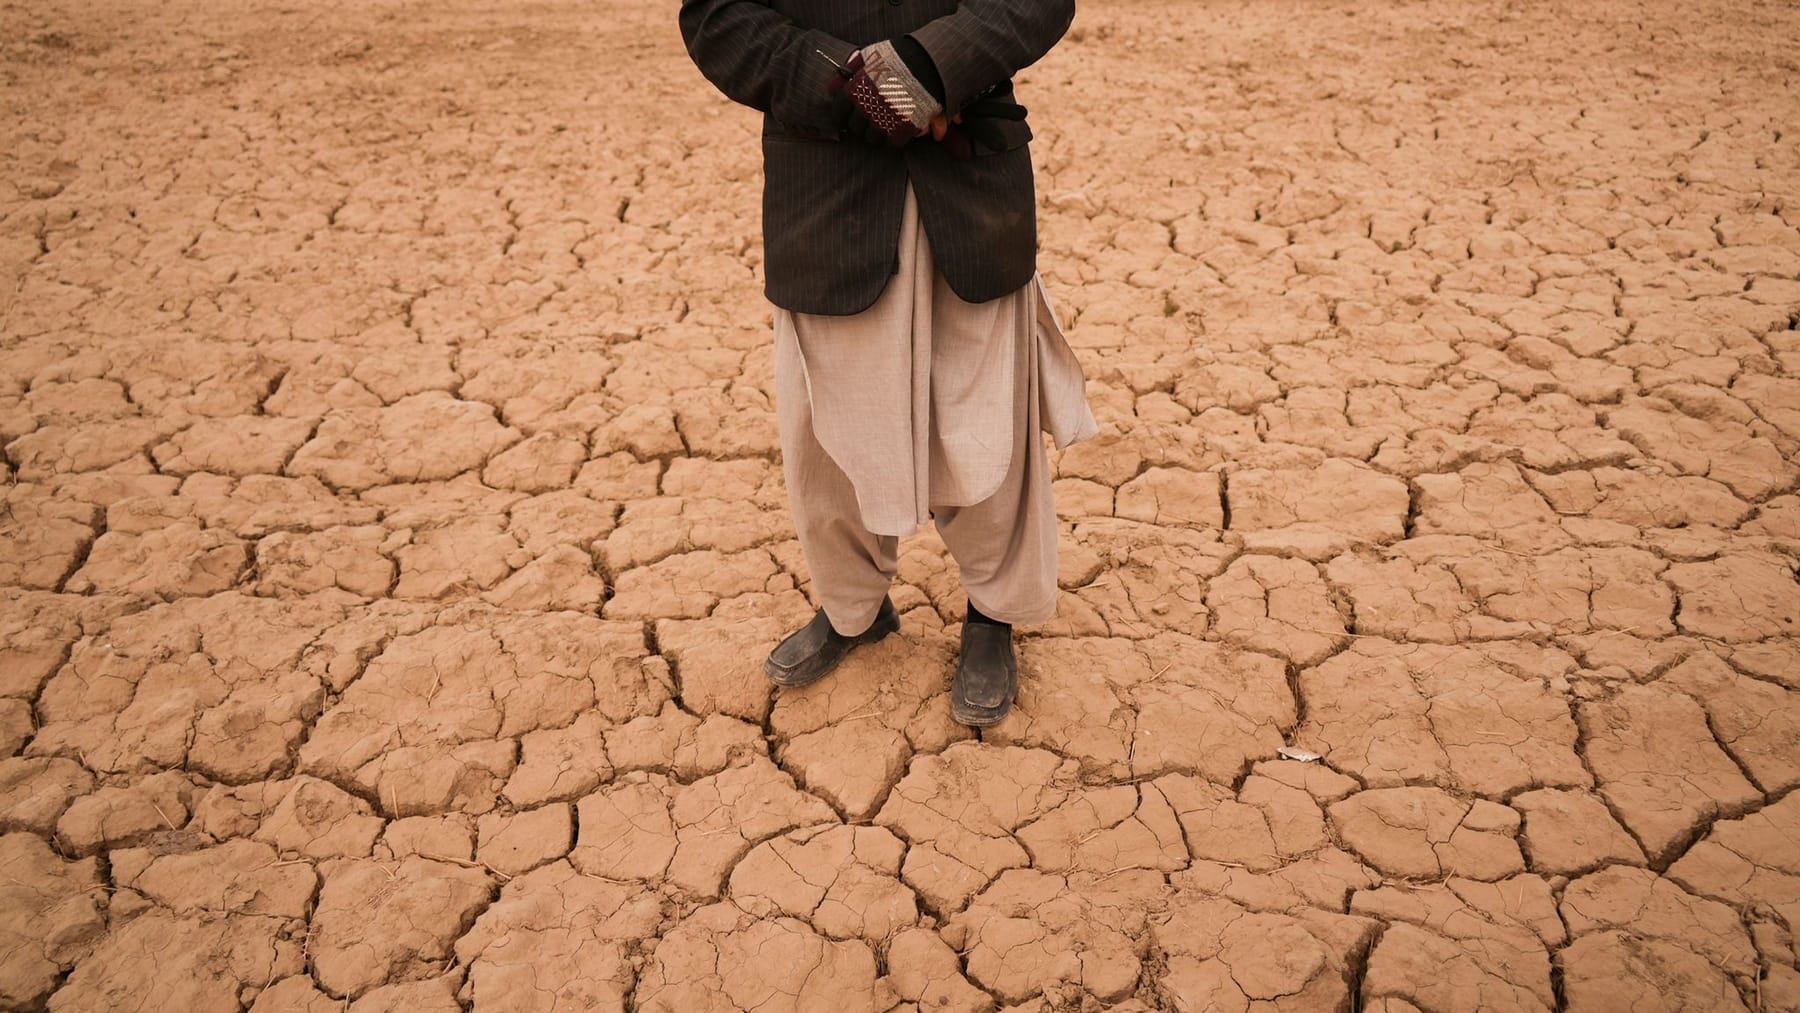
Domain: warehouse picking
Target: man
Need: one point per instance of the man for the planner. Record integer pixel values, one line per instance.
(916, 356)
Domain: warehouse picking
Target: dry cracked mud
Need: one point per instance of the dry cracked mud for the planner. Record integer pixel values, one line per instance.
(393, 528)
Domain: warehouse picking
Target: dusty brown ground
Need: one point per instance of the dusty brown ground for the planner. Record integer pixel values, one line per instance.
(394, 530)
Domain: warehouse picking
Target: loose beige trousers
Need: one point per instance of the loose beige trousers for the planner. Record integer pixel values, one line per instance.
(925, 408)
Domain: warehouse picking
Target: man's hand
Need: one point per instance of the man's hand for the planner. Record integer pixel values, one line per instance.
(960, 136)
(887, 93)
(851, 123)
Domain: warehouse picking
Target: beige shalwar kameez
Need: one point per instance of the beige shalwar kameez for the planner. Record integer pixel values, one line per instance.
(927, 408)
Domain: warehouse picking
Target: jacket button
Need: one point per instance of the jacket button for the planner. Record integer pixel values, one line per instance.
(893, 3)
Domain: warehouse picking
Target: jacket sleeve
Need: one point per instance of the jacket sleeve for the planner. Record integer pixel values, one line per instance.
(758, 57)
(984, 42)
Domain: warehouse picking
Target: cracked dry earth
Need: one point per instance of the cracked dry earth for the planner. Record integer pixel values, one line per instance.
(393, 529)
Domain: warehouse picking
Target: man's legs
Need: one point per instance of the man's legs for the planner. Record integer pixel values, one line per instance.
(971, 370)
(851, 568)
(1005, 546)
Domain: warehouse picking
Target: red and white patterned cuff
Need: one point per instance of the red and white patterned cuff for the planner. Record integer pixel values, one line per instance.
(889, 94)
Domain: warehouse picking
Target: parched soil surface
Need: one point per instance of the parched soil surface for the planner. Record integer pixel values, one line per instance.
(394, 528)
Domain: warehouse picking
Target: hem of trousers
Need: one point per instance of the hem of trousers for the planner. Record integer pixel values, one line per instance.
(857, 628)
(1022, 617)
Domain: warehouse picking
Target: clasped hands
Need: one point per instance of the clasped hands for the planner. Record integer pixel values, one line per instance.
(878, 98)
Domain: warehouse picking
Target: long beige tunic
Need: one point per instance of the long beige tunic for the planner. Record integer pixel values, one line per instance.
(928, 422)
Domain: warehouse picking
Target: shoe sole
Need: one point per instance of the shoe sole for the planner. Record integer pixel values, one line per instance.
(977, 716)
(982, 718)
(873, 635)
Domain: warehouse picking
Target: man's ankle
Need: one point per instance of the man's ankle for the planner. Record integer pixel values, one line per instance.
(977, 616)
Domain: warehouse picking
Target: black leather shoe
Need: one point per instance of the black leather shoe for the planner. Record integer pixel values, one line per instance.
(810, 653)
(987, 676)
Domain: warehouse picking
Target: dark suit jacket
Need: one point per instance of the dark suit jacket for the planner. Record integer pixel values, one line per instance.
(831, 208)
